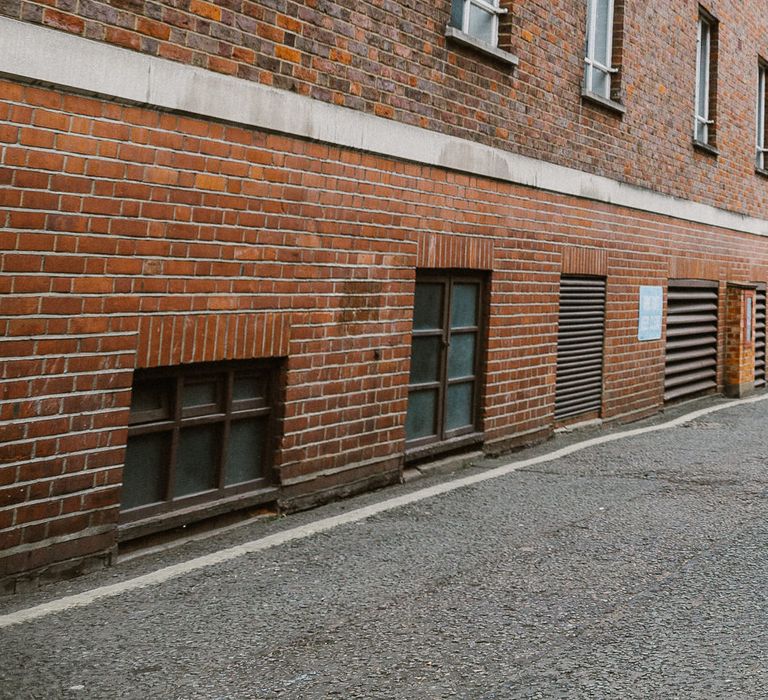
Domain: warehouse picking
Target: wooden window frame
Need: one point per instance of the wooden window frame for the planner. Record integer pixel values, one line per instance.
(613, 100)
(490, 7)
(761, 117)
(443, 437)
(706, 73)
(173, 417)
(591, 63)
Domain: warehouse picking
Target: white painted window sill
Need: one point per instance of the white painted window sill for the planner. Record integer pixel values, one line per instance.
(459, 37)
(603, 102)
(705, 148)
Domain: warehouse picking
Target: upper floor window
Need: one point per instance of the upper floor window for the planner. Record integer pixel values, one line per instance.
(762, 78)
(706, 80)
(475, 25)
(478, 19)
(600, 28)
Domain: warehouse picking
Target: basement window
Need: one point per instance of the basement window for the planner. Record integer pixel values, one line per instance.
(196, 433)
(444, 385)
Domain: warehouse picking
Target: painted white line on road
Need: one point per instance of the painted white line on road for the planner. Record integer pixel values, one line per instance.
(170, 572)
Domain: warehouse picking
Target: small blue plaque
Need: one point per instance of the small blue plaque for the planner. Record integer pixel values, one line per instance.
(651, 312)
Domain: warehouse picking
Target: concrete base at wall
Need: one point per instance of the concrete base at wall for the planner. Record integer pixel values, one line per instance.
(77, 566)
(324, 488)
(499, 446)
(739, 391)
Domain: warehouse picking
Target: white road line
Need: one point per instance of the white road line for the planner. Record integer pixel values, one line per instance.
(170, 572)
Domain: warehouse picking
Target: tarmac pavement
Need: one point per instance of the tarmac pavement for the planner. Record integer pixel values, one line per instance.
(633, 568)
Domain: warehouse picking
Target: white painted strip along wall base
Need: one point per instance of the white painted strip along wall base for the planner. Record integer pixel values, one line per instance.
(35, 53)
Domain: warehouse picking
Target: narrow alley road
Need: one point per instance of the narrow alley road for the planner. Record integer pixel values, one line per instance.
(631, 568)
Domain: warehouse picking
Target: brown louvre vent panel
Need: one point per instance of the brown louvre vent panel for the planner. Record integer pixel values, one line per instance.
(688, 367)
(580, 337)
(760, 336)
(691, 352)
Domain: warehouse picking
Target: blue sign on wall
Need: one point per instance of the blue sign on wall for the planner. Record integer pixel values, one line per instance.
(651, 312)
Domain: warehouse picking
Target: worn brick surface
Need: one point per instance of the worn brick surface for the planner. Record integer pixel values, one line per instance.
(391, 59)
(132, 238)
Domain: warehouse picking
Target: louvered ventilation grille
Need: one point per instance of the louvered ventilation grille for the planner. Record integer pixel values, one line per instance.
(691, 364)
(581, 330)
(760, 336)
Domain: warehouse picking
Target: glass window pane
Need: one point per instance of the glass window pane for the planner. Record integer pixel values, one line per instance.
(146, 470)
(425, 359)
(702, 106)
(428, 306)
(422, 412)
(761, 108)
(461, 355)
(248, 387)
(464, 305)
(602, 32)
(245, 450)
(457, 13)
(199, 393)
(481, 24)
(458, 408)
(761, 116)
(148, 396)
(197, 459)
(601, 83)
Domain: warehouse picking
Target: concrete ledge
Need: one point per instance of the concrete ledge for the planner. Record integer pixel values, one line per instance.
(739, 391)
(603, 102)
(293, 501)
(185, 516)
(448, 465)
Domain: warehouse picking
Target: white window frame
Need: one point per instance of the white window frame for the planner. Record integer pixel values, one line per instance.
(703, 119)
(760, 143)
(591, 63)
(491, 8)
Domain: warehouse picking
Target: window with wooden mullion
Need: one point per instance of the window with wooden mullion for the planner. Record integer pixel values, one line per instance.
(426, 383)
(762, 96)
(706, 80)
(463, 354)
(600, 28)
(194, 434)
(478, 19)
(442, 395)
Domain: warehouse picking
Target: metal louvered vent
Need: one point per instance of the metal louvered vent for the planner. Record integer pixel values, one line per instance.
(760, 336)
(691, 364)
(581, 330)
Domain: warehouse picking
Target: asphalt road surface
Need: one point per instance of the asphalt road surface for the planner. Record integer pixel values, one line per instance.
(632, 568)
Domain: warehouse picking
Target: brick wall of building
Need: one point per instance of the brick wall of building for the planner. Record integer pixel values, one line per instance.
(133, 238)
(391, 59)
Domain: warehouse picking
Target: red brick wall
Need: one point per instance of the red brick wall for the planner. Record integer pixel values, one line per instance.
(121, 224)
(739, 361)
(392, 60)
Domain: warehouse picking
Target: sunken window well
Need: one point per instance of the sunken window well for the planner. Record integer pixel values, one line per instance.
(197, 434)
(446, 347)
